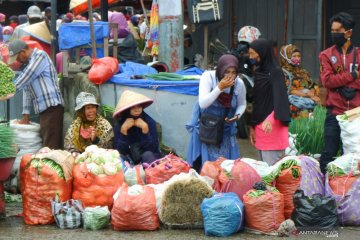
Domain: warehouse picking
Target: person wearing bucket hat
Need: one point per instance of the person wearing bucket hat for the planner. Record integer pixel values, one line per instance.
(89, 127)
(135, 134)
(40, 85)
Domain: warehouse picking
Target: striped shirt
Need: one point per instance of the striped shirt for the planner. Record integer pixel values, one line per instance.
(39, 81)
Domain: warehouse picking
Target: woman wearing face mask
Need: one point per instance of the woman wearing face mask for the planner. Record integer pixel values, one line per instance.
(7, 33)
(221, 93)
(88, 128)
(135, 132)
(271, 116)
(303, 92)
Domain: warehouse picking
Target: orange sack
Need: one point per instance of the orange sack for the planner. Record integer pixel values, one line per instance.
(95, 190)
(214, 171)
(287, 185)
(135, 212)
(340, 185)
(40, 183)
(163, 169)
(264, 213)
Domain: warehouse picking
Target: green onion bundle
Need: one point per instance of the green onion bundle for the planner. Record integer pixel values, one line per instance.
(107, 110)
(309, 132)
(7, 144)
(169, 76)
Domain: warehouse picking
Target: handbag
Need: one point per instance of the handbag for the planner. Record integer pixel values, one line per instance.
(211, 127)
(348, 93)
(206, 11)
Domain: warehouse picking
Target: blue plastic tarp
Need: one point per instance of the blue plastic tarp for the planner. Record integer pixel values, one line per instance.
(188, 87)
(78, 33)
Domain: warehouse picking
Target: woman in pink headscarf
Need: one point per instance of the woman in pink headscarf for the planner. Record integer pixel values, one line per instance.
(123, 29)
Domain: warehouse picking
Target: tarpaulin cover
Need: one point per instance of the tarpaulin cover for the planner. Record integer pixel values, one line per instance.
(188, 87)
(78, 33)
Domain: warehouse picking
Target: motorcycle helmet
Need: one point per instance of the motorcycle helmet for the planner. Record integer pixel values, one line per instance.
(248, 34)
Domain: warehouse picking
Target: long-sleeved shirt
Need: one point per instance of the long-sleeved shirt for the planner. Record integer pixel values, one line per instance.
(39, 81)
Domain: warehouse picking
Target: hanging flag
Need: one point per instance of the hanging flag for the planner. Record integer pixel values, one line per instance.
(154, 28)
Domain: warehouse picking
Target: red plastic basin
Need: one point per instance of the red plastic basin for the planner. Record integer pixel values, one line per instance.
(5, 167)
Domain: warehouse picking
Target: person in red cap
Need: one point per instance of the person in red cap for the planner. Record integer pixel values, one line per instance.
(135, 134)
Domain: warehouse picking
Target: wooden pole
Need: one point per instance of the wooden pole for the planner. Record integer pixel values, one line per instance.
(53, 30)
(92, 34)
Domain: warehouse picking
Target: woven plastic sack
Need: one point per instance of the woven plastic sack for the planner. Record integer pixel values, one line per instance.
(163, 169)
(68, 215)
(103, 69)
(242, 179)
(95, 190)
(350, 134)
(40, 183)
(213, 170)
(96, 218)
(223, 214)
(135, 175)
(135, 211)
(265, 213)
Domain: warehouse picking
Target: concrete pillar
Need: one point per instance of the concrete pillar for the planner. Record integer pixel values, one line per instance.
(171, 34)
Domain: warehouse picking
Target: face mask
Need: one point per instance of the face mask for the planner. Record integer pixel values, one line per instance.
(6, 38)
(338, 39)
(253, 61)
(295, 61)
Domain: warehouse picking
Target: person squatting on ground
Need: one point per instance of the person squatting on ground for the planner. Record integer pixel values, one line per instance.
(271, 115)
(89, 127)
(339, 74)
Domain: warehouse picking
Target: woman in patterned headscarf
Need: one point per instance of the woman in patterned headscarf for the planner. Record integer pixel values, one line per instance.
(303, 92)
(89, 127)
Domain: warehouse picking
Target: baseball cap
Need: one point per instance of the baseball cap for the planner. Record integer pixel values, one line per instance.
(14, 48)
(34, 12)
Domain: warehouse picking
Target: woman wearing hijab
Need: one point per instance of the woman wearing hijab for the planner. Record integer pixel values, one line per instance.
(89, 127)
(135, 133)
(303, 92)
(221, 93)
(271, 115)
(7, 33)
(122, 29)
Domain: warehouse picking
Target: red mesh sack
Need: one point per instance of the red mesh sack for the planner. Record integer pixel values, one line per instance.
(264, 213)
(103, 69)
(340, 185)
(135, 212)
(214, 171)
(95, 190)
(287, 184)
(243, 177)
(163, 169)
(41, 182)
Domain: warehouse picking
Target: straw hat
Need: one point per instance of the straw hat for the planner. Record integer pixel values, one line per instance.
(130, 99)
(39, 31)
(83, 99)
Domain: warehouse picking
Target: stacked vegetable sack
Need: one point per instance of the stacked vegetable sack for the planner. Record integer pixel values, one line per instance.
(6, 80)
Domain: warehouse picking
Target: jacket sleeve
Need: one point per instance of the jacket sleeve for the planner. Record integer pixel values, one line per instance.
(120, 141)
(329, 78)
(150, 141)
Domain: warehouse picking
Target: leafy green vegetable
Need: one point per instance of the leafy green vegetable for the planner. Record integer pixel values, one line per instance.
(6, 80)
(257, 193)
(96, 218)
(7, 142)
(39, 163)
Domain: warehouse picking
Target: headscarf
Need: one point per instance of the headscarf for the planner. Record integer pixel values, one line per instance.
(2, 17)
(8, 30)
(225, 61)
(298, 72)
(269, 89)
(123, 29)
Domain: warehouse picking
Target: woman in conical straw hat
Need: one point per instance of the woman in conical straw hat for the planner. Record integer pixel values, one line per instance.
(135, 132)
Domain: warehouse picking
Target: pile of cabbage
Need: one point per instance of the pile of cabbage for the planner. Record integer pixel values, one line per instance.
(100, 161)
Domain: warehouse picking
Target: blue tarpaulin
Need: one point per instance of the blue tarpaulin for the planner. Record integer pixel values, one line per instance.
(78, 33)
(188, 87)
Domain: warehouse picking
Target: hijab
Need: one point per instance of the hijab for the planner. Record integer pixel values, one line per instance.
(123, 29)
(269, 89)
(225, 61)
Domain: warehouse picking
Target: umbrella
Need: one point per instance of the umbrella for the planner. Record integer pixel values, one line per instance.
(154, 28)
(81, 6)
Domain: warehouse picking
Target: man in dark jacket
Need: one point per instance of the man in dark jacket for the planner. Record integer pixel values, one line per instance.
(339, 74)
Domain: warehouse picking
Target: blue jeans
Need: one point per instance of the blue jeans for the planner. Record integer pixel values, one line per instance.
(332, 140)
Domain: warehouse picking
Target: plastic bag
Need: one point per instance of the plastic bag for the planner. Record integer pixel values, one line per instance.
(223, 214)
(213, 170)
(135, 212)
(96, 218)
(68, 215)
(242, 179)
(315, 211)
(103, 69)
(340, 185)
(350, 134)
(164, 168)
(41, 180)
(95, 190)
(264, 213)
(135, 175)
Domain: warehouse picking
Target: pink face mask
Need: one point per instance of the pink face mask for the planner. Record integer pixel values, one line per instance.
(295, 61)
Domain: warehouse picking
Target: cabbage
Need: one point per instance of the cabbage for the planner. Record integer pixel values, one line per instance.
(91, 148)
(110, 168)
(94, 168)
(115, 154)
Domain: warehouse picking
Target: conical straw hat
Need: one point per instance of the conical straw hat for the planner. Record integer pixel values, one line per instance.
(130, 99)
(39, 31)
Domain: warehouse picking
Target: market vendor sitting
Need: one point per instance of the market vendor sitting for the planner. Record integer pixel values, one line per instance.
(135, 133)
(89, 127)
